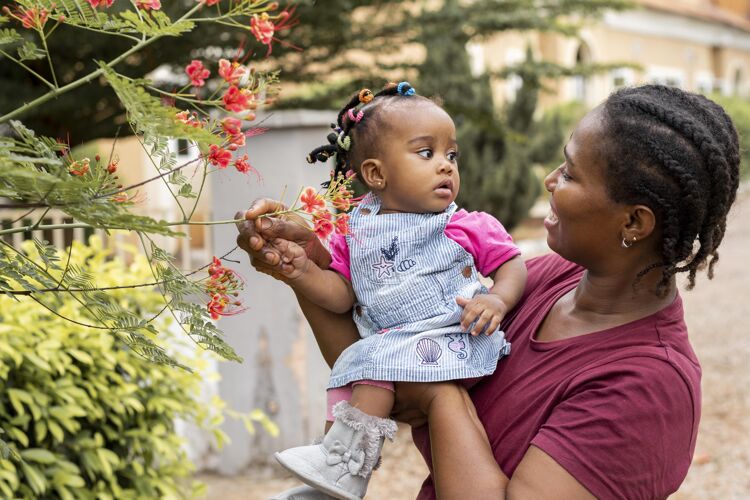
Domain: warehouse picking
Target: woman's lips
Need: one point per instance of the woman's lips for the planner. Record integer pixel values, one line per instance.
(551, 218)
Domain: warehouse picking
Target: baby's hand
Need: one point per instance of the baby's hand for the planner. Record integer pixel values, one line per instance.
(486, 309)
(294, 261)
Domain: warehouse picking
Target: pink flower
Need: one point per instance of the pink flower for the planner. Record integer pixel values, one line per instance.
(242, 165)
(322, 224)
(231, 72)
(209, 2)
(188, 118)
(197, 73)
(100, 3)
(262, 28)
(148, 4)
(218, 156)
(236, 100)
(233, 128)
(311, 200)
(342, 224)
(31, 18)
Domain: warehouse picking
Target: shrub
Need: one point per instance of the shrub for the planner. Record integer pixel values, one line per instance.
(739, 110)
(83, 415)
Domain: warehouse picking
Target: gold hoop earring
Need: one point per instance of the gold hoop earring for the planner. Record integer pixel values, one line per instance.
(627, 244)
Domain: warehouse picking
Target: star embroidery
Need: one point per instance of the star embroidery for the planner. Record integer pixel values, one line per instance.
(383, 267)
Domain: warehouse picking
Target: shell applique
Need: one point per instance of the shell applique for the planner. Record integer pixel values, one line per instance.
(406, 264)
(429, 351)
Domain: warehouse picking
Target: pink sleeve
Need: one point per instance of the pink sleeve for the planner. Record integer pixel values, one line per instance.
(339, 255)
(642, 409)
(484, 238)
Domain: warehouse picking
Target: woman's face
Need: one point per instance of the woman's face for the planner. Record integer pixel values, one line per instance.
(584, 224)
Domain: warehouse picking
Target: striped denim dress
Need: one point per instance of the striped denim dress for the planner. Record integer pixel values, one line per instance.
(406, 274)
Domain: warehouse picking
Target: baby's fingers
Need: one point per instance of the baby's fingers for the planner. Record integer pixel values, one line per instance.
(468, 317)
(494, 325)
(484, 318)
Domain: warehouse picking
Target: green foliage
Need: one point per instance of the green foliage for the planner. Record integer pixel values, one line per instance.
(85, 415)
(739, 110)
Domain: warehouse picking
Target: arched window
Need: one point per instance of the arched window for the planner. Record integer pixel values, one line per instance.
(581, 83)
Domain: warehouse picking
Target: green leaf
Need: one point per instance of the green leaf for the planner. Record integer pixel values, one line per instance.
(9, 36)
(38, 455)
(35, 478)
(29, 52)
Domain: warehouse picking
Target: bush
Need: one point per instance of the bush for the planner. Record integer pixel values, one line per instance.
(739, 110)
(84, 416)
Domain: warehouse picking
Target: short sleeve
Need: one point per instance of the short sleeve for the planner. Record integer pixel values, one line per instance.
(339, 255)
(484, 238)
(627, 432)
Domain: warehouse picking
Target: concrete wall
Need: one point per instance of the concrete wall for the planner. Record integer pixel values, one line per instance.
(283, 372)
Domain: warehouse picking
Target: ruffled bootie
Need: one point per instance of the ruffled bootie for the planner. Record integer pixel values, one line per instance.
(303, 492)
(341, 465)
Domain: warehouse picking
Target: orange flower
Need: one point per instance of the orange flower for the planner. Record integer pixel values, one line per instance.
(148, 4)
(242, 165)
(311, 200)
(79, 167)
(236, 100)
(231, 72)
(342, 224)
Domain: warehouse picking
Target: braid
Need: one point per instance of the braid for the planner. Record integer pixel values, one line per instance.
(357, 123)
(677, 153)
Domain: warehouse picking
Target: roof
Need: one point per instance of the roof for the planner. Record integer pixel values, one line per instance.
(704, 11)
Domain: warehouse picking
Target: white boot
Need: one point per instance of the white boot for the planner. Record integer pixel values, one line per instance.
(301, 493)
(341, 465)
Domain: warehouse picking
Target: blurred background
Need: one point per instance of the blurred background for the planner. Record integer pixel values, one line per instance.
(516, 75)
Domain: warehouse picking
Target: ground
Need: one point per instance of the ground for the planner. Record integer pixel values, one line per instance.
(720, 336)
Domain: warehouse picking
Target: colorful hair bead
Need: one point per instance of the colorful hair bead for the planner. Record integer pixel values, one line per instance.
(355, 118)
(405, 89)
(344, 141)
(365, 96)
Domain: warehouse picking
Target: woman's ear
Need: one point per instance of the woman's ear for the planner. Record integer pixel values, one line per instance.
(640, 224)
(373, 173)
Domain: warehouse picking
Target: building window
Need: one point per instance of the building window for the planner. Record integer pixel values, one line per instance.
(738, 82)
(621, 77)
(581, 82)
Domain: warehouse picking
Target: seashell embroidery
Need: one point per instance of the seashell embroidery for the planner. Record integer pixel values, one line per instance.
(428, 351)
(406, 264)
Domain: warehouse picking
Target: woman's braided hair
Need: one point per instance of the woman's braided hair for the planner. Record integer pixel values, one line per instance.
(358, 125)
(677, 153)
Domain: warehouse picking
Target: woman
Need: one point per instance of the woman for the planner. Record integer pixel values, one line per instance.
(600, 396)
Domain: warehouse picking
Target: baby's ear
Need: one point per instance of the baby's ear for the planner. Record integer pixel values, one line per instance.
(373, 173)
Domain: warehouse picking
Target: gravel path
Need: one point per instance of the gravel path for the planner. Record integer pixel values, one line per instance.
(716, 317)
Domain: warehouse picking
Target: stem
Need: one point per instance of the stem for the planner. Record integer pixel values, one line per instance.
(42, 227)
(43, 80)
(49, 57)
(91, 76)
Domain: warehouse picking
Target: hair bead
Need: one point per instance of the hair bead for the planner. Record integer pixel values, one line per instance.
(355, 118)
(365, 96)
(405, 89)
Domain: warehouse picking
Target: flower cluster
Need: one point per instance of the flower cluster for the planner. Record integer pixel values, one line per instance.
(222, 288)
(263, 26)
(319, 207)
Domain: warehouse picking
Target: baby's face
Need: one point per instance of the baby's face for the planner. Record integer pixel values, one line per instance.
(419, 156)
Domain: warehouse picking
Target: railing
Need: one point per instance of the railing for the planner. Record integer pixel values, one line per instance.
(190, 252)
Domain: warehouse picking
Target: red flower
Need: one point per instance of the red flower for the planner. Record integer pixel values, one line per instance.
(188, 118)
(322, 224)
(311, 200)
(148, 4)
(112, 166)
(210, 2)
(233, 128)
(342, 224)
(242, 165)
(218, 156)
(31, 18)
(236, 100)
(262, 28)
(79, 167)
(100, 3)
(216, 269)
(231, 72)
(197, 73)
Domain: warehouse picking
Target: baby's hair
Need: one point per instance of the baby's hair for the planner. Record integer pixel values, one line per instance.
(678, 153)
(354, 136)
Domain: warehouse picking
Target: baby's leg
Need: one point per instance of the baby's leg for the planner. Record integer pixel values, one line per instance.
(373, 397)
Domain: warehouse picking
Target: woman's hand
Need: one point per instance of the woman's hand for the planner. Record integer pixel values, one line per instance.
(258, 233)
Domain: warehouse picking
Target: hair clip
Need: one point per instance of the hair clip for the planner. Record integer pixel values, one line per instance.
(355, 118)
(405, 89)
(344, 141)
(365, 96)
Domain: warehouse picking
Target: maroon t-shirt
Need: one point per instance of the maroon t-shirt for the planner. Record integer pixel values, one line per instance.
(618, 408)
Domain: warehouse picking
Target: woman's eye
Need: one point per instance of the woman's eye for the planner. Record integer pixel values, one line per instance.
(564, 173)
(425, 153)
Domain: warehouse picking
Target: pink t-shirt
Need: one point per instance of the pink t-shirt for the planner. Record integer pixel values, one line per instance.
(618, 408)
(478, 233)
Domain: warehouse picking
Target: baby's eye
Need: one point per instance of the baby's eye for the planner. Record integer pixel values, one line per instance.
(425, 153)
(453, 156)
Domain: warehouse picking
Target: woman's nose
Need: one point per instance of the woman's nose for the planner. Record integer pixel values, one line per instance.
(551, 180)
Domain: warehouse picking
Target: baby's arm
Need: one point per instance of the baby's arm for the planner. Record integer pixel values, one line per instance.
(489, 309)
(323, 287)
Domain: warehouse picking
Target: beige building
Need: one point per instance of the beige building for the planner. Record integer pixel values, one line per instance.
(699, 45)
